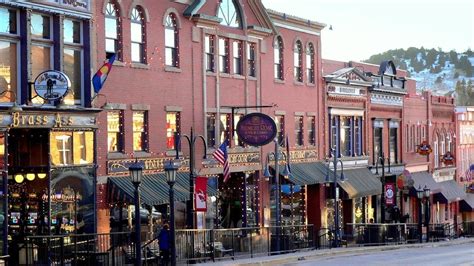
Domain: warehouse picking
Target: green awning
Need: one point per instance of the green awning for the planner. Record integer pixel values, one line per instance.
(467, 204)
(451, 191)
(360, 182)
(153, 189)
(306, 173)
(423, 179)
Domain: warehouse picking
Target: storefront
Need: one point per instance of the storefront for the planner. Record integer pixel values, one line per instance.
(48, 165)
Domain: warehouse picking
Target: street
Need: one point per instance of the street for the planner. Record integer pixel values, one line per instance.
(446, 255)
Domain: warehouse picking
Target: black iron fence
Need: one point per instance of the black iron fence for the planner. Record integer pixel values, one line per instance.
(467, 229)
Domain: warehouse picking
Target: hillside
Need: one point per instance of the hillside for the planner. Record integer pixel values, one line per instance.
(435, 70)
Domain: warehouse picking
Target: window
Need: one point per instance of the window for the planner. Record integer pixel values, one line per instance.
(412, 139)
(448, 142)
(346, 135)
(436, 151)
(299, 130)
(298, 61)
(224, 55)
(41, 49)
(334, 133)
(115, 132)
(237, 53)
(210, 50)
(224, 127)
(251, 59)
(211, 129)
(393, 141)
(68, 148)
(171, 41)
(378, 139)
(140, 134)
(280, 124)
(345, 139)
(293, 198)
(229, 14)
(138, 35)
(72, 58)
(310, 63)
(113, 30)
(312, 130)
(278, 58)
(358, 136)
(173, 124)
(237, 141)
(8, 50)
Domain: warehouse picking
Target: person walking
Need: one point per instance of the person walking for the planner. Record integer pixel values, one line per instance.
(164, 242)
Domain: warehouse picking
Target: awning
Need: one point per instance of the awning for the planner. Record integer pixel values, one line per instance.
(308, 173)
(451, 191)
(423, 179)
(360, 182)
(153, 189)
(467, 204)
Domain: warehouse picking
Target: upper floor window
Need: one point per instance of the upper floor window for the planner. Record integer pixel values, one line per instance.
(224, 55)
(278, 58)
(171, 41)
(8, 22)
(72, 59)
(251, 59)
(237, 141)
(72, 148)
(237, 54)
(173, 124)
(299, 130)
(210, 50)
(41, 49)
(115, 133)
(140, 136)
(298, 61)
(312, 130)
(211, 129)
(229, 14)
(393, 141)
(138, 35)
(310, 63)
(9, 50)
(113, 27)
(280, 124)
(436, 151)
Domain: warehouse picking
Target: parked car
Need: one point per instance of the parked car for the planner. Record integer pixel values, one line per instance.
(144, 214)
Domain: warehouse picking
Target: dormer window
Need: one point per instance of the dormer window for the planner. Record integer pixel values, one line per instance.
(229, 14)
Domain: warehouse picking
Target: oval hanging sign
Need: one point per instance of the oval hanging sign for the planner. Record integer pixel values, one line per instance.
(52, 85)
(256, 129)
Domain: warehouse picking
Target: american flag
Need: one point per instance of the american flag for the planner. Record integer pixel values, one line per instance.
(221, 156)
(470, 173)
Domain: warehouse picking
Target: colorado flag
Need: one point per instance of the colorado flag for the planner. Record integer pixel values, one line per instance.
(99, 78)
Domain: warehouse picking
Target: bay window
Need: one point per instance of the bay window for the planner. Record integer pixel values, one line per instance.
(346, 135)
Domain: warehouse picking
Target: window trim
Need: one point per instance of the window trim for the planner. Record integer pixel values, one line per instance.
(118, 41)
(310, 73)
(278, 69)
(142, 44)
(251, 60)
(298, 65)
(175, 59)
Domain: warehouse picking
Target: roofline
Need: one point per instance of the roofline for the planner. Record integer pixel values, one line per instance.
(294, 20)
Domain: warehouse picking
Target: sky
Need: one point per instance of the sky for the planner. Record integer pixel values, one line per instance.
(362, 28)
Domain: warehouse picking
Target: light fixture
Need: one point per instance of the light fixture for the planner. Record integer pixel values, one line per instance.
(286, 172)
(41, 175)
(171, 168)
(343, 178)
(19, 178)
(427, 192)
(136, 171)
(419, 192)
(30, 176)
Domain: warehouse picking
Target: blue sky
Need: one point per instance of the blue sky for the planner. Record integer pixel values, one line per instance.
(365, 27)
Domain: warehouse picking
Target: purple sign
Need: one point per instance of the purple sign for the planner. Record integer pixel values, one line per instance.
(256, 129)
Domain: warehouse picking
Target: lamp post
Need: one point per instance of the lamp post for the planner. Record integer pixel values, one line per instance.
(381, 159)
(419, 194)
(336, 194)
(427, 193)
(191, 141)
(136, 171)
(267, 175)
(171, 167)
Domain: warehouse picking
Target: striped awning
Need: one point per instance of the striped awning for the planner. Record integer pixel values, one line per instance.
(360, 182)
(307, 173)
(153, 189)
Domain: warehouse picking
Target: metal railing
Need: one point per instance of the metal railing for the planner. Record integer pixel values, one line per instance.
(467, 229)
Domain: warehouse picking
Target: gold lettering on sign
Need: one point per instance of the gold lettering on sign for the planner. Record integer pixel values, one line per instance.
(61, 121)
(28, 120)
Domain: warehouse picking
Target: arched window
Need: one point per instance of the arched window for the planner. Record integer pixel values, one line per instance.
(298, 61)
(436, 151)
(310, 63)
(138, 35)
(278, 58)
(171, 41)
(229, 14)
(448, 142)
(113, 30)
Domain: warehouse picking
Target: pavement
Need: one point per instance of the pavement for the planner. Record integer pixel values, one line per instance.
(313, 254)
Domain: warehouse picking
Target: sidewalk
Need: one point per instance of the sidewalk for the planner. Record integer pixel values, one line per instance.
(308, 255)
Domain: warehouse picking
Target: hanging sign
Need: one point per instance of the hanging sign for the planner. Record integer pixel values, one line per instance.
(424, 148)
(256, 129)
(52, 85)
(200, 194)
(389, 194)
(448, 158)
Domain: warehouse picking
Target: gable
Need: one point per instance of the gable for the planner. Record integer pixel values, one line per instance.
(349, 75)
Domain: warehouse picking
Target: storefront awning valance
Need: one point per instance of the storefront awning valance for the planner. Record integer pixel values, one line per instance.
(422, 179)
(451, 191)
(360, 182)
(153, 189)
(467, 204)
(307, 173)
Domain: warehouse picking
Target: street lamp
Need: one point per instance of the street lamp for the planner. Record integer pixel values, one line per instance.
(427, 193)
(136, 172)
(336, 194)
(171, 167)
(191, 141)
(419, 194)
(286, 173)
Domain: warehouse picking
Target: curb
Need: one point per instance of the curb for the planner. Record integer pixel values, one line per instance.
(313, 254)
